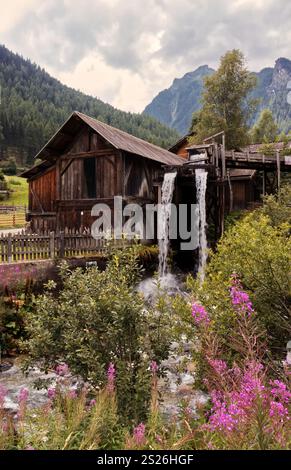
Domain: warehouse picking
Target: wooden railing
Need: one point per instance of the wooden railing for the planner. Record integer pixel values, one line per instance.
(49, 245)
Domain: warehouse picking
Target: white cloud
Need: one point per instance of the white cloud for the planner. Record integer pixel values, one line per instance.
(13, 11)
(125, 51)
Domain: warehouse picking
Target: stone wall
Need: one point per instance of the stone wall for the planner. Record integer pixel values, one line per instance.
(17, 275)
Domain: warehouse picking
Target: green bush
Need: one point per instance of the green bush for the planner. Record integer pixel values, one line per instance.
(14, 182)
(12, 330)
(258, 249)
(10, 167)
(98, 318)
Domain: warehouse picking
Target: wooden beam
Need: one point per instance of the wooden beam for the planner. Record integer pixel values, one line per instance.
(58, 179)
(92, 153)
(67, 166)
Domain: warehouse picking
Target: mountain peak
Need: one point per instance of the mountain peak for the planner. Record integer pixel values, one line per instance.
(175, 105)
(283, 63)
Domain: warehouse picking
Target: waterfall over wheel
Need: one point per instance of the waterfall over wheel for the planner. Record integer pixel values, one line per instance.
(164, 221)
(201, 185)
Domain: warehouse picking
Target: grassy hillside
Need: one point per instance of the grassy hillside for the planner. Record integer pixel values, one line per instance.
(19, 192)
(18, 197)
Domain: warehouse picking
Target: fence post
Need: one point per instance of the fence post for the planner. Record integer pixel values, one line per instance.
(52, 245)
(9, 248)
(62, 244)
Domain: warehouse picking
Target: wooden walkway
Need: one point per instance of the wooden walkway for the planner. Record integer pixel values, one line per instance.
(257, 161)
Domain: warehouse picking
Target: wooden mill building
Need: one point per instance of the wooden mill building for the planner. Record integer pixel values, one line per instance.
(242, 187)
(86, 162)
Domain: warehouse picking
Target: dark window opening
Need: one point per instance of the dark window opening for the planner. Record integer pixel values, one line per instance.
(90, 177)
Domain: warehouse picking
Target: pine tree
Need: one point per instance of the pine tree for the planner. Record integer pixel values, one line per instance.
(266, 129)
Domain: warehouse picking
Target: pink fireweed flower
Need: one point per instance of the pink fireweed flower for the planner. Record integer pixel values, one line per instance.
(278, 410)
(62, 369)
(5, 427)
(3, 392)
(51, 393)
(218, 365)
(139, 434)
(199, 314)
(154, 367)
(240, 299)
(23, 395)
(92, 403)
(221, 418)
(233, 408)
(159, 439)
(72, 394)
(111, 377)
(280, 391)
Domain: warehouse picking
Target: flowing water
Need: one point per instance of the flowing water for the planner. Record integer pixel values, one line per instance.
(164, 221)
(201, 185)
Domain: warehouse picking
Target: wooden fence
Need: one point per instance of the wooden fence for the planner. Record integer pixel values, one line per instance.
(49, 245)
(12, 216)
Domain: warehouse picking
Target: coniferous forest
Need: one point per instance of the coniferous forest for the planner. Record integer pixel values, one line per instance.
(34, 105)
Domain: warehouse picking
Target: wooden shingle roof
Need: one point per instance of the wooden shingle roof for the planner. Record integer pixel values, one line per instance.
(119, 139)
(123, 141)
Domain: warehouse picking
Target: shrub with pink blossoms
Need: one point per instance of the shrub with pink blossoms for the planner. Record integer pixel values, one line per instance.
(200, 314)
(111, 377)
(23, 395)
(51, 393)
(3, 392)
(62, 369)
(239, 298)
(247, 409)
(139, 434)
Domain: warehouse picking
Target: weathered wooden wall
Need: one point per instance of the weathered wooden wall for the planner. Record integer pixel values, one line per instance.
(242, 193)
(42, 192)
(91, 170)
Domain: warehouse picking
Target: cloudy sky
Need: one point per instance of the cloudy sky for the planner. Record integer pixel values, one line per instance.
(126, 51)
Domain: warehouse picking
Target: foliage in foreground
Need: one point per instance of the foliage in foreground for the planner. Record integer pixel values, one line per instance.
(258, 249)
(249, 406)
(97, 318)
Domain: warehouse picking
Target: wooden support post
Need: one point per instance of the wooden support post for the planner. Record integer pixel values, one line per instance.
(264, 178)
(52, 245)
(9, 248)
(222, 209)
(278, 170)
(223, 157)
(62, 245)
(230, 192)
(264, 183)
